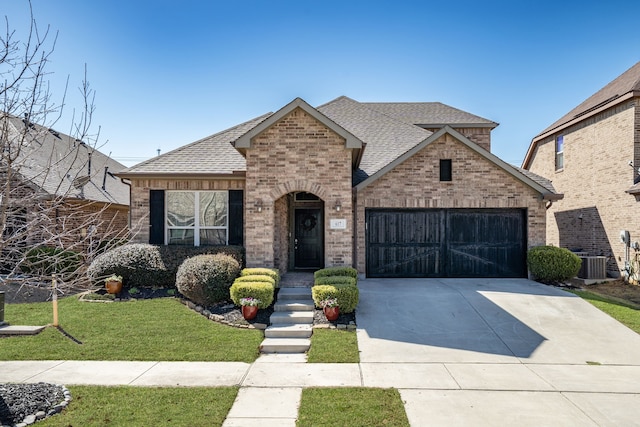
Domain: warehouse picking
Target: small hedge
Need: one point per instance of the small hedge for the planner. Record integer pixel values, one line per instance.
(336, 271)
(45, 261)
(206, 279)
(263, 291)
(144, 265)
(271, 272)
(552, 264)
(347, 295)
(336, 280)
(257, 278)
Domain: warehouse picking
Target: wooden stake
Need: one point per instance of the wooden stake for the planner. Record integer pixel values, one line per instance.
(54, 299)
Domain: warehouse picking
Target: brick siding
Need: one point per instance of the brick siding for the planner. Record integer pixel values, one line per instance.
(595, 176)
(297, 153)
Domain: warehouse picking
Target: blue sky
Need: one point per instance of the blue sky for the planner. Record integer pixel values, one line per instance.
(167, 73)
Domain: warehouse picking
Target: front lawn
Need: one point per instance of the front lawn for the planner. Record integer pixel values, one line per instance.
(333, 346)
(145, 406)
(351, 406)
(144, 330)
(620, 311)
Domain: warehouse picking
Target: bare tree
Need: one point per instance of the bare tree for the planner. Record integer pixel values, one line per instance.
(60, 203)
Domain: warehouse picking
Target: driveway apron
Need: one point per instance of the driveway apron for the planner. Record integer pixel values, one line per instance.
(486, 321)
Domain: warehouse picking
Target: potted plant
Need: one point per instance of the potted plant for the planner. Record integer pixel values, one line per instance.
(330, 308)
(113, 284)
(249, 307)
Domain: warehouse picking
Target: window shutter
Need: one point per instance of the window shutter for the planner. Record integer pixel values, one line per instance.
(236, 217)
(156, 217)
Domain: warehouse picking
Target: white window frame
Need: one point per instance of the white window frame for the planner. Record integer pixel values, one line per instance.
(559, 154)
(196, 227)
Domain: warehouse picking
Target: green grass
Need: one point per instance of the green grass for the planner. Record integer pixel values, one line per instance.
(144, 406)
(156, 329)
(351, 407)
(623, 313)
(333, 346)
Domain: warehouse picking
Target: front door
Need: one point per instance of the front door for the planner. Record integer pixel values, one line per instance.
(308, 238)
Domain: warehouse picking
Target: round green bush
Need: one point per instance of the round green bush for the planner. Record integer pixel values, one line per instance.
(206, 279)
(139, 264)
(347, 295)
(271, 272)
(263, 291)
(552, 264)
(257, 278)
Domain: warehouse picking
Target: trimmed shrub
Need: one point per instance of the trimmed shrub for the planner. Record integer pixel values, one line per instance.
(144, 265)
(336, 280)
(139, 264)
(206, 279)
(552, 264)
(257, 278)
(45, 261)
(336, 271)
(263, 291)
(347, 295)
(271, 272)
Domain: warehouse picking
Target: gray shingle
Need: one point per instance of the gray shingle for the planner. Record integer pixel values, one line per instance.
(625, 83)
(54, 162)
(386, 138)
(428, 113)
(214, 154)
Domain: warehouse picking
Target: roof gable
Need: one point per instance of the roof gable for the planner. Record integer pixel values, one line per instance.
(245, 140)
(530, 179)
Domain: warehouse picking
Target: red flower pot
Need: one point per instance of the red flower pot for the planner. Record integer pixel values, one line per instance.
(331, 313)
(113, 286)
(249, 311)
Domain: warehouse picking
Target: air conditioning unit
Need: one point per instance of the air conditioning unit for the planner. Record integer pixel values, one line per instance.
(593, 267)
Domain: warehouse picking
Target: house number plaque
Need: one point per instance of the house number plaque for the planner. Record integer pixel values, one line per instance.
(338, 224)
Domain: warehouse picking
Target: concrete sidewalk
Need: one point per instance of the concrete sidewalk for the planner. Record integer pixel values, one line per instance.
(443, 393)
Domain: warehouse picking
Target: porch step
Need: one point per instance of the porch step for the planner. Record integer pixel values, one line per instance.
(288, 331)
(294, 305)
(292, 317)
(285, 345)
(294, 294)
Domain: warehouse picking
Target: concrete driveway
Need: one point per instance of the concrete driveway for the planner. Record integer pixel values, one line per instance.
(497, 352)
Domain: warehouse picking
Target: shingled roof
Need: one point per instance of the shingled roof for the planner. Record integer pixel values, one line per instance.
(61, 166)
(627, 82)
(622, 88)
(430, 114)
(387, 131)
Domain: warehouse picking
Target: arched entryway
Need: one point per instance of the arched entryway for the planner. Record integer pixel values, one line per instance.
(299, 231)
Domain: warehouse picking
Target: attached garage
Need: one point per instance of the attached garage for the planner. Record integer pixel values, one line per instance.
(446, 242)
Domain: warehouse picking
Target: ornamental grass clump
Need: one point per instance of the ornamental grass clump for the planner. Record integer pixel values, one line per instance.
(552, 264)
(206, 279)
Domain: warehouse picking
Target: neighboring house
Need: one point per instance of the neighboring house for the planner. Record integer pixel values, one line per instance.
(57, 191)
(587, 154)
(394, 189)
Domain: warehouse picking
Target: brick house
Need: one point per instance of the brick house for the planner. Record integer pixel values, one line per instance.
(587, 154)
(393, 189)
(60, 192)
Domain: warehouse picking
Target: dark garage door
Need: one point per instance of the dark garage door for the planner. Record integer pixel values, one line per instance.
(446, 243)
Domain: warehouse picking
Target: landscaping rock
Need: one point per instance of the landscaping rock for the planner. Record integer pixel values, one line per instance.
(23, 404)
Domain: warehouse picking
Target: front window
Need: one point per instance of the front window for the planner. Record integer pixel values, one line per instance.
(197, 218)
(560, 152)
